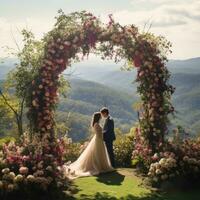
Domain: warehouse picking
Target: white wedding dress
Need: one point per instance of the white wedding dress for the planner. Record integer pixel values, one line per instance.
(94, 159)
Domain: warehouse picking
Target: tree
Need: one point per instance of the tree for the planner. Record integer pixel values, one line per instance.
(15, 90)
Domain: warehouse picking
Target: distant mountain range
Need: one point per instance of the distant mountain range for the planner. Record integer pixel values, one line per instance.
(6, 66)
(97, 84)
(85, 98)
(111, 75)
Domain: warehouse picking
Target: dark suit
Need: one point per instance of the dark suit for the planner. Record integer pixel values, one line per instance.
(109, 137)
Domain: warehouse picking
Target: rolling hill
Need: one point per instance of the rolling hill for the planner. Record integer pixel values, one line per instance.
(185, 77)
(94, 85)
(86, 97)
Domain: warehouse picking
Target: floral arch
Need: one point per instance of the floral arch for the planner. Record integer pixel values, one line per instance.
(81, 33)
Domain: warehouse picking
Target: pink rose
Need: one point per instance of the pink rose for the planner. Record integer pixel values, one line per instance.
(23, 170)
(67, 43)
(137, 61)
(155, 157)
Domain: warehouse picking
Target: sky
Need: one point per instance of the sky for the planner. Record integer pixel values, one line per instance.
(177, 20)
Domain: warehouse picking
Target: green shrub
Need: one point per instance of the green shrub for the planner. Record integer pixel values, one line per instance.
(72, 152)
(5, 140)
(123, 148)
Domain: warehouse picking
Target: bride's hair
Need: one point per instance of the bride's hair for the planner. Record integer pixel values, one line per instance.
(96, 117)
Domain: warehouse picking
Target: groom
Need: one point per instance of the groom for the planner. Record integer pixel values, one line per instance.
(108, 133)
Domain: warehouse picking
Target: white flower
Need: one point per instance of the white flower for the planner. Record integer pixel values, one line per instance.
(59, 184)
(158, 171)
(67, 43)
(152, 169)
(162, 161)
(39, 173)
(49, 168)
(40, 165)
(18, 178)
(192, 160)
(157, 165)
(30, 178)
(76, 39)
(5, 171)
(12, 175)
(185, 158)
(42, 180)
(149, 173)
(69, 140)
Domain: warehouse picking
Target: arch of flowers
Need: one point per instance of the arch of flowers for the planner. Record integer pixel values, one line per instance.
(78, 34)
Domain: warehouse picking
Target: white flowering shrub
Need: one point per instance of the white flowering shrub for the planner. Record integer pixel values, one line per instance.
(164, 169)
(178, 161)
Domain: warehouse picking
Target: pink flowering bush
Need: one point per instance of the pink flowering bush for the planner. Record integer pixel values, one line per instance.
(142, 153)
(32, 165)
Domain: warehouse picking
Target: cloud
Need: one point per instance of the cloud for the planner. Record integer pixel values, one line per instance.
(179, 23)
(177, 12)
(187, 11)
(168, 22)
(10, 31)
(151, 3)
(165, 15)
(158, 18)
(6, 36)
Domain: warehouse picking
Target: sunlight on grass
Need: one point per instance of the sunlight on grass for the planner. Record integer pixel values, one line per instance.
(115, 184)
(123, 185)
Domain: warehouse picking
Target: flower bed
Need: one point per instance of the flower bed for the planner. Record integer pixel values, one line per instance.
(178, 161)
(30, 167)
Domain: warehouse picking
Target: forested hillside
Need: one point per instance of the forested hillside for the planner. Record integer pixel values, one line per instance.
(108, 86)
(185, 77)
(87, 97)
(82, 100)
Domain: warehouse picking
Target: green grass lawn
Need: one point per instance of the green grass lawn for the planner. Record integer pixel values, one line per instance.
(123, 185)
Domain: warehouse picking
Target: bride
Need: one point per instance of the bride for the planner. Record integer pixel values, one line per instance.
(94, 159)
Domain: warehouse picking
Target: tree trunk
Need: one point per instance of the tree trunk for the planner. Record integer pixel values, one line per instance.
(19, 125)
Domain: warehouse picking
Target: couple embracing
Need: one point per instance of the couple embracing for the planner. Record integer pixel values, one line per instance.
(98, 157)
